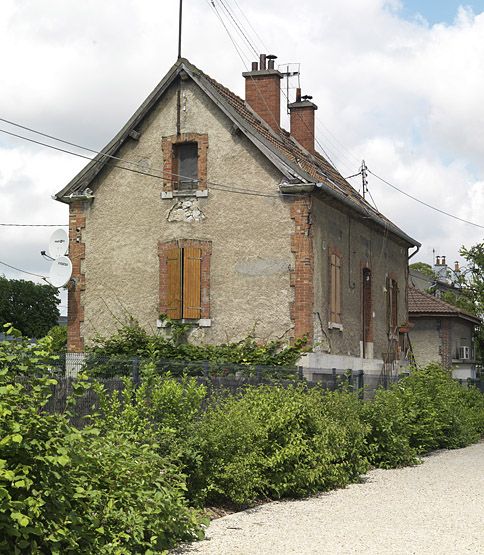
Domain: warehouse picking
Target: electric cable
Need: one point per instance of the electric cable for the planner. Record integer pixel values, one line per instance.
(23, 271)
(425, 203)
(34, 225)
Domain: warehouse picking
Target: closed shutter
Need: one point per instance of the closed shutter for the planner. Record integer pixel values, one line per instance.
(174, 304)
(191, 282)
(335, 289)
(337, 286)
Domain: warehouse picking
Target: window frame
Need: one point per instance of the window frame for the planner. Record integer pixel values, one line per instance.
(170, 165)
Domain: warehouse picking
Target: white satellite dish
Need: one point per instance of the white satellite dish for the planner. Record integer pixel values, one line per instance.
(60, 272)
(58, 243)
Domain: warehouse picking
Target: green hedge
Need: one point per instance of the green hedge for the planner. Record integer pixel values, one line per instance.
(128, 481)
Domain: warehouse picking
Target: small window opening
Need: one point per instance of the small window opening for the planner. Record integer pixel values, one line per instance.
(186, 155)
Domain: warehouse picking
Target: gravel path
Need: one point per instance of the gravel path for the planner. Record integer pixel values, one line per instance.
(436, 507)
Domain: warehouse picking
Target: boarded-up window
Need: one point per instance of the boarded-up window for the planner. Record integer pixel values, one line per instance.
(187, 165)
(184, 283)
(335, 288)
(367, 307)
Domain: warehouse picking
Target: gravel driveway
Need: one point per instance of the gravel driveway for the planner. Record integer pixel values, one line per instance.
(436, 507)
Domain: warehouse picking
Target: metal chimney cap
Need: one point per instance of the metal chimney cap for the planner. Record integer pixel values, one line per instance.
(271, 57)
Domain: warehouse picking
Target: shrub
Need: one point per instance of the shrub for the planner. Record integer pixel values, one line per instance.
(275, 442)
(64, 490)
(438, 415)
(389, 433)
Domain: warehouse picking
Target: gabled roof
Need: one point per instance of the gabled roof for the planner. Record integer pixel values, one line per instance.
(423, 304)
(294, 162)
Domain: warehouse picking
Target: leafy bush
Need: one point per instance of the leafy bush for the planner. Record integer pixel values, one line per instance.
(59, 339)
(111, 356)
(425, 411)
(64, 490)
(275, 442)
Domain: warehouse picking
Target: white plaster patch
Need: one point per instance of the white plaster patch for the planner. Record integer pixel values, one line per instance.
(186, 211)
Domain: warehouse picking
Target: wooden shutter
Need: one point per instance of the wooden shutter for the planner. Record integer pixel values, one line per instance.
(337, 306)
(191, 282)
(335, 289)
(174, 301)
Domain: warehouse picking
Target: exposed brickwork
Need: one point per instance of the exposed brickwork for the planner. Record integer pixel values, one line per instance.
(302, 125)
(263, 94)
(206, 248)
(77, 253)
(302, 274)
(170, 162)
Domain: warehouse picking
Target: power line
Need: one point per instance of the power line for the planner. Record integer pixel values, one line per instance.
(215, 185)
(425, 203)
(34, 225)
(23, 271)
(239, 27)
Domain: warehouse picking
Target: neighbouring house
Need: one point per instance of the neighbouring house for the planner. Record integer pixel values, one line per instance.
(203, 208)
(441, 278)
(442, 333)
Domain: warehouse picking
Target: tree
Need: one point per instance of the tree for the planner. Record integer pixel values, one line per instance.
(424, 268)
(30, 307)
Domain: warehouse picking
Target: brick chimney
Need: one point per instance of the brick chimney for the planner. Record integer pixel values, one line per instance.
(262, 90)
(302, 120)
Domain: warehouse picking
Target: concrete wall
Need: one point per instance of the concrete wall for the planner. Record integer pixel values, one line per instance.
(251, 247)
(360, 245)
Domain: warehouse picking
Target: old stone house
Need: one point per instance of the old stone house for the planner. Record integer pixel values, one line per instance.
(442, 333)
(203, 208)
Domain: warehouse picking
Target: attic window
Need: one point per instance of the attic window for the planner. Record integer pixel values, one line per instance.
(185, 165)
(186, 155)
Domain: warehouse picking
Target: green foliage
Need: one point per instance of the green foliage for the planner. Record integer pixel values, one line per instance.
(64, 490)
(275, 442)
(424, 268)
(110, 356)
(32, 308)
(425, 411)
(59, 339)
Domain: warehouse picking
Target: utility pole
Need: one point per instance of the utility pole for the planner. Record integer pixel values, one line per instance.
(364, 177)
(180, 28)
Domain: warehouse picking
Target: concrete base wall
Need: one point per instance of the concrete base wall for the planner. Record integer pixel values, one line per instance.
(325, 361)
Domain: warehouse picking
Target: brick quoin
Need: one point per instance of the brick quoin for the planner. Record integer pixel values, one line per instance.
(206, 252)
(301, 278)
(77, 253)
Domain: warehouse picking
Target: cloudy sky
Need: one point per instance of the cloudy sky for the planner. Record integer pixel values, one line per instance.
(398, 83)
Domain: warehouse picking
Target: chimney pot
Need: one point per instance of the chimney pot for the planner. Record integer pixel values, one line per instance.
(456, 266)
(255, 66)
(271, 59)
(263, 61)
(298, 94)
(443, 261)
(437, 260)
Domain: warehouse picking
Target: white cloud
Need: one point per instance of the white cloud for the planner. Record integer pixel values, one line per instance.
(406, 96)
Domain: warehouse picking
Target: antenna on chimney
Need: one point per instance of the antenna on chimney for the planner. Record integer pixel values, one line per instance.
(292, 69)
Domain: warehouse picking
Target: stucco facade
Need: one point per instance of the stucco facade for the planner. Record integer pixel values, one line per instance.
(250, 235)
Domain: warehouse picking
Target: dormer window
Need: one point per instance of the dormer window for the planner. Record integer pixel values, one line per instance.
(185, 165)
(186, 155)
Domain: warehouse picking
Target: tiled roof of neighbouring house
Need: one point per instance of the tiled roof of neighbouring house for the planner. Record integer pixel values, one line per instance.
(292, 160)
(420, 303)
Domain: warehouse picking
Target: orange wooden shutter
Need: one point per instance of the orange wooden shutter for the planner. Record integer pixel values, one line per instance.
(173, 261)
(337, 287)
(191, 282)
